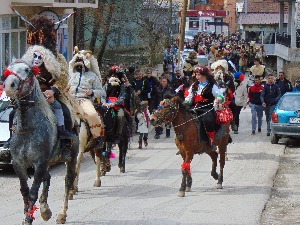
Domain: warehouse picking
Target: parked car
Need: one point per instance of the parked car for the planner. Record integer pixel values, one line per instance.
(5, 157)
(286, 117)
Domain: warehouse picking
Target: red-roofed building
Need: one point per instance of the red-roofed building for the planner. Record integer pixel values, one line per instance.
(207, 15)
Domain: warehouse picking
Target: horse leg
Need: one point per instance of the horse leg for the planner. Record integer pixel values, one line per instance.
(186, 171)
(44, 208)
(189, 181)
(69, 185)
(22, 174)
(122, 155)
(214, 157)
(82, 142)
(97, 182)
(40, 174)
(222, 164)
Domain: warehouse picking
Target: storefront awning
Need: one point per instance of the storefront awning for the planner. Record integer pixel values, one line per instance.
(260, 18)
(205, 13)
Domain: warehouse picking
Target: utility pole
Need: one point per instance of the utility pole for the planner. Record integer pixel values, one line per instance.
(170, 21)
(182, 28)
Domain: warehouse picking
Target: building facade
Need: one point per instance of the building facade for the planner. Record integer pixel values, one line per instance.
(13, 29)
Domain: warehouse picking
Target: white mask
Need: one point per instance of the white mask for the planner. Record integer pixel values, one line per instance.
(37, 59)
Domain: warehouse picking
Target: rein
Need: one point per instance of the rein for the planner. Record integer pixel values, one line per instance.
(196, 116)
(173, 108)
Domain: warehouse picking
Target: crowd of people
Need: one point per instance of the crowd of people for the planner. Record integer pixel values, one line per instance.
(189, 82)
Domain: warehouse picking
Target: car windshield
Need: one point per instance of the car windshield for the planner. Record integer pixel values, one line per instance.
(290, 103)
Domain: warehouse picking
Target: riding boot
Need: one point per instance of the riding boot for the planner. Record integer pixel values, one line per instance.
(211, 140)
(157, 133)
(145, 141)
(94, 143)
(121, 122)
(66, 143)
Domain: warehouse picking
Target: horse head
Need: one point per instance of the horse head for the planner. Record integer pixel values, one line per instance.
(166, 111)
(20, 77)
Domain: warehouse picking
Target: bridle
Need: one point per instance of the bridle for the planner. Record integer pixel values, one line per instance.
(28, 80)
(172, 110)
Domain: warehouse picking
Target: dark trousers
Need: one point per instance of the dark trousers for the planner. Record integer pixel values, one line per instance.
(143, 135)
(236, 115)
(208, 120)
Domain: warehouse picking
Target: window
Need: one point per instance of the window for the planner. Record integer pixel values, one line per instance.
(12, 39)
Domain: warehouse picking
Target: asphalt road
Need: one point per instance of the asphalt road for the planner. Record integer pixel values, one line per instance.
(147, 193)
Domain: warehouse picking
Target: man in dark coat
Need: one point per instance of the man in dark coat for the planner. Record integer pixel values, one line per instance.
(141, 86)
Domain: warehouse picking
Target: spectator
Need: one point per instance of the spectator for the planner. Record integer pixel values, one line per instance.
(240, 98)
(178, 79)
(153, 82)
(284, 84)
(141, 86)
(130, 74)
(256, 104)
(143, 116)
(269, 98)
(168, 57)
(297, 86)
(257, 69)
(162, 91)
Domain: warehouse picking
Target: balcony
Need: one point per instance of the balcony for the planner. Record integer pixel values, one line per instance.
(283, 47)
(57, 3)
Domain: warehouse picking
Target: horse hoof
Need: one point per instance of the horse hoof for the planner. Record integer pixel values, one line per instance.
(122, 170)
(97, 183)
(45, 212)
(188, 189)
(61, 219)
(75, 190)
(103, 173)
(181, 194)
(219, 186)
(71, 196)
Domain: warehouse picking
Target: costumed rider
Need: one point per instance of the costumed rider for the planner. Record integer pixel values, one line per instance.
(52, 76)
(85, 85)
(115, 94)
(190, 63)
(201, 97)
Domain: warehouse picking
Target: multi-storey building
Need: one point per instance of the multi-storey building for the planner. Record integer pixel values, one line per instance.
(13, 29)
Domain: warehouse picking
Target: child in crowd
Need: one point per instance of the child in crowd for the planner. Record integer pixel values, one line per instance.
(143, 117)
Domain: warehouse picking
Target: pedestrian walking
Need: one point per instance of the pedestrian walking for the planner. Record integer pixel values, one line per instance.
(143, 116)
(240, 98)
(283, 83)
(256, 104)
(269, 98)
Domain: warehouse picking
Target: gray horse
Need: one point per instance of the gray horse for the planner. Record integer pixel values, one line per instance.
(35, 143)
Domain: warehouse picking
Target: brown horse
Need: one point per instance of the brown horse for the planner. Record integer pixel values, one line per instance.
(173, 111)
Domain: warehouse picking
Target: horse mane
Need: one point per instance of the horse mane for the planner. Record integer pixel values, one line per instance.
(42, 102)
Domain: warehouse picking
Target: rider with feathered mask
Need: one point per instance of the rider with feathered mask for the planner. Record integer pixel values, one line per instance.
(201, 97)
(115, 94)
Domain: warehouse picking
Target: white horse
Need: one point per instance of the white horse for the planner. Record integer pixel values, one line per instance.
(35, 142)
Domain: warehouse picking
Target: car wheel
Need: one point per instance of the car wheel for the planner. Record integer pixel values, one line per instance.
(274, 138)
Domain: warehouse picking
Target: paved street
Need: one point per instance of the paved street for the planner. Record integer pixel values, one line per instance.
(147, 192)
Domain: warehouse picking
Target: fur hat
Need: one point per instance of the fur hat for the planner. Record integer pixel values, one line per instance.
(88, 59)
(221, 62)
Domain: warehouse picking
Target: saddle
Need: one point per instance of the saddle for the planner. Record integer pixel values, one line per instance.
(201, 133)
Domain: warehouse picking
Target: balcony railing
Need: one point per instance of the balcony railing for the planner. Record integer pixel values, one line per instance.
(57, 3)
(285, 40)
(76, 1)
